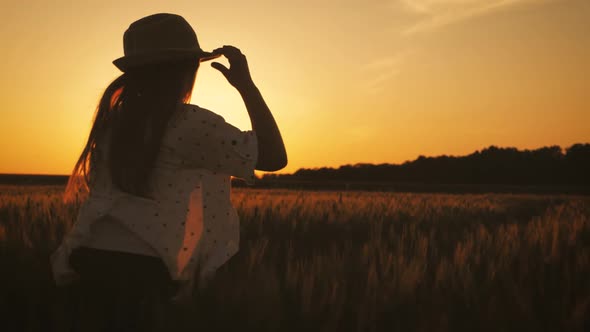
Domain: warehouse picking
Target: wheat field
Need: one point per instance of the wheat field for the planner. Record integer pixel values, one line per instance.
(344, 261)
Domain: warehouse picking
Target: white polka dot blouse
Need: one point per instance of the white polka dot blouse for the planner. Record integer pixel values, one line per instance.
(190, 219)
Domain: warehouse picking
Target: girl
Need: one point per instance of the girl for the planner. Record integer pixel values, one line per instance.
(157, 173)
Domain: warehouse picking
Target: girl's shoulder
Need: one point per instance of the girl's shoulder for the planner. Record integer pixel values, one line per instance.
(194, 113)
(196, 121)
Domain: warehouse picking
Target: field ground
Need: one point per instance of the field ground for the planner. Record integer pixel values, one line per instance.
(345, 261)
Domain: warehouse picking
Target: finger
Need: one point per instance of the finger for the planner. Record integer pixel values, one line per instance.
(218, 50)
(231, 52)
(231, 49)
(227, 49)
(223, 69)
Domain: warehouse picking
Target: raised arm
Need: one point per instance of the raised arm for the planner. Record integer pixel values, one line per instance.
(271, 149)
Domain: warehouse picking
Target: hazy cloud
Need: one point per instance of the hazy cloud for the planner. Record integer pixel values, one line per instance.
(381, 70)
(429, 15)
(433, 14)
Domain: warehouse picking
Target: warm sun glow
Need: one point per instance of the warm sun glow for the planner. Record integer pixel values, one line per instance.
(347, 81)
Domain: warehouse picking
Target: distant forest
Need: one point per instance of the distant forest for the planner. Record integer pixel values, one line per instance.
(493, 165)
(493, 169)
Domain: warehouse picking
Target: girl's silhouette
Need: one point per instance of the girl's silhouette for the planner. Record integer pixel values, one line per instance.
(157, 217)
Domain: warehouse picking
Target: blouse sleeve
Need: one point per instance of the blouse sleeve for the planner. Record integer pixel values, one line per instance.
(205, 140)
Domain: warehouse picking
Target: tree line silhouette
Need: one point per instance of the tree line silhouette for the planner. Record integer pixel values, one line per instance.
(550, 165)
(546, 166)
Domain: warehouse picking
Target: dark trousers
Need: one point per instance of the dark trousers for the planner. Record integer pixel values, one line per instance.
(120, 291)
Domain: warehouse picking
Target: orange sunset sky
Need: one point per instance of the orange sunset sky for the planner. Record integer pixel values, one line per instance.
(348, 81)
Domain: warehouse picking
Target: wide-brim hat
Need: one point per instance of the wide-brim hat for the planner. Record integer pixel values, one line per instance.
(160, 38)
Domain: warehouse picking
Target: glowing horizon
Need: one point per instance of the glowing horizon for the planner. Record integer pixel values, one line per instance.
(348, 81)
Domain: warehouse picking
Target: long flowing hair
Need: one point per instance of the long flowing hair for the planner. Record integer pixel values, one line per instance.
(135, 108)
